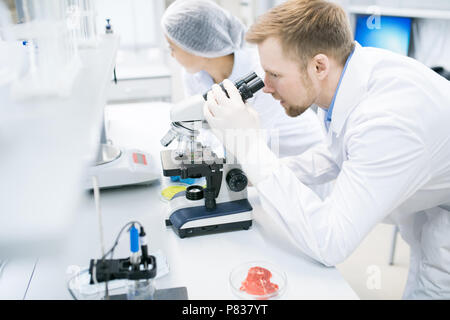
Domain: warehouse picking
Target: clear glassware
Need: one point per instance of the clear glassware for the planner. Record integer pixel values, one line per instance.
(140, 290)
(240, 273)
(51, 53)
(81, 16)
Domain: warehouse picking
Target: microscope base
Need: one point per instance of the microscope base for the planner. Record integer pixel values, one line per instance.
(228, 216)
(197, 231)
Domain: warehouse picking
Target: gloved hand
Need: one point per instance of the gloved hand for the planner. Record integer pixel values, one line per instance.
(223, 113)
(230, 118)
(236, 124)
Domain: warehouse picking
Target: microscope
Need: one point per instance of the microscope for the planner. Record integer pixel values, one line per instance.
(222, 204)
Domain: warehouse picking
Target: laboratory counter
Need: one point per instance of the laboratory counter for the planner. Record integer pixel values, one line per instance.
(202, 264)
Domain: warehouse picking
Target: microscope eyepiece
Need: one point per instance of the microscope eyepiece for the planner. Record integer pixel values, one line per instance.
(256, 85)
(191, 110)
(248, 89)
(247, 86)
(246, 79)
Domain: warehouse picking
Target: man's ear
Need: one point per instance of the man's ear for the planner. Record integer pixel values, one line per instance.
(320, 66)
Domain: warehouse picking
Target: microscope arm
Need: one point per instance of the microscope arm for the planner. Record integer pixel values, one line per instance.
(213, 174)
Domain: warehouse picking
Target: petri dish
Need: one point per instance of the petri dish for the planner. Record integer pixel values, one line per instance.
(258, 280)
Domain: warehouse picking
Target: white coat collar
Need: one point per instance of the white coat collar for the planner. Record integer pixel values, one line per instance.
(352, 89)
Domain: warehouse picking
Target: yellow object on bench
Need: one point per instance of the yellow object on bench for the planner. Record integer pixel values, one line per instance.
(169, 192)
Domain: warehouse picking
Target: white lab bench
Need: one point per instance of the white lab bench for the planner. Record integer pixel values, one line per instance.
(45, 140)
(202, 264)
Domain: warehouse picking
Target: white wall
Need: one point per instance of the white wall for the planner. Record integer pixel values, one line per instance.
(134, 20)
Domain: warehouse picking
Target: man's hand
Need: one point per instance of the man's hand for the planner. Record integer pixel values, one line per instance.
(223, 113)
(236, 125)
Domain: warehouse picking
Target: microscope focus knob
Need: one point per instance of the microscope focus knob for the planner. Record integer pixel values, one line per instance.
(236, 180)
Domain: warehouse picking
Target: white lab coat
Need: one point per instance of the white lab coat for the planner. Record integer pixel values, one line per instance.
(295, 135)
(388, 146)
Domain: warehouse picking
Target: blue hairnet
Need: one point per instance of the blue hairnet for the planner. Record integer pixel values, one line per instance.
(203, 28)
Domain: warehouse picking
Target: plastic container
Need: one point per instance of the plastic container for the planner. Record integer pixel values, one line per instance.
(239, 275)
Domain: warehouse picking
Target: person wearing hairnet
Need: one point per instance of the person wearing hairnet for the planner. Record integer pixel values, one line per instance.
(209, 44)
(387, 143)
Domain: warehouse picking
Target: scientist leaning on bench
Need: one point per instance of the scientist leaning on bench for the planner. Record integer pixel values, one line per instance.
(388, 142)
(208, 42)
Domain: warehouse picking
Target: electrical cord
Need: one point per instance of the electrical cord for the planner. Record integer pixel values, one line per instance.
(100, 225)
(109, 252)
(116, 242)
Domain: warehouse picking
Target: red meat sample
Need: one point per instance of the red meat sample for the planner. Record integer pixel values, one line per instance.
(258, 282)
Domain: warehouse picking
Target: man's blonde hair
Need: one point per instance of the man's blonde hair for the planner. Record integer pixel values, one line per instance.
(306, 28)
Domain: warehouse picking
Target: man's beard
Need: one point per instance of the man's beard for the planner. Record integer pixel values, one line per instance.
(296, 110)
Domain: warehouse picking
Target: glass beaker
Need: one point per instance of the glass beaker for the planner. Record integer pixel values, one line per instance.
(81, 16)
(52, 56)
(140, 289)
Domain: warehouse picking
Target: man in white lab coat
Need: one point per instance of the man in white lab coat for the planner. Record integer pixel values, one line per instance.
(388, 142)
(208, 42)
